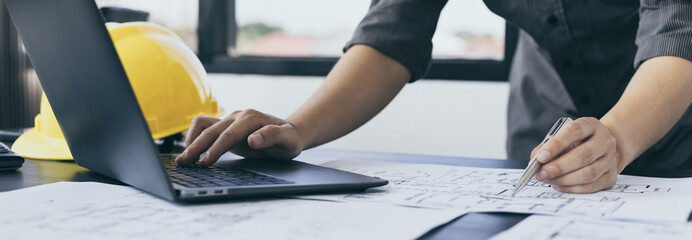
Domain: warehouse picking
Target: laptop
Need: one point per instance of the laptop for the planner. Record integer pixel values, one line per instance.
(97, 110)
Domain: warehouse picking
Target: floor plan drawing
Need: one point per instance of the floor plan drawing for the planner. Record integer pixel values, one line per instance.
(489, 190)
(103, 211)
(541, 227)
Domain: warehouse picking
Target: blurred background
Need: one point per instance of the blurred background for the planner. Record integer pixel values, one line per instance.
(271, 55)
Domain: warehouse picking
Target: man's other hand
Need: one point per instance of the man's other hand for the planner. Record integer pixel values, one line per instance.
(581, 158)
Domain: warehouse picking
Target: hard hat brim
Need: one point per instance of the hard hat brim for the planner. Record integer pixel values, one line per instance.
(33, 145)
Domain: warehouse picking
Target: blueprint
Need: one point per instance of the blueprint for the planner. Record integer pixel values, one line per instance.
(102, 211)
(540, 227)
(489, 190)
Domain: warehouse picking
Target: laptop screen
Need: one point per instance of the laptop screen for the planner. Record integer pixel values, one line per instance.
(86, 85)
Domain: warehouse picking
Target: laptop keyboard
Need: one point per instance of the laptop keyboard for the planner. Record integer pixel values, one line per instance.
(195, 176)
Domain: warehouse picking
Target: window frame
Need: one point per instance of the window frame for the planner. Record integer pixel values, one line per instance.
(217, 31)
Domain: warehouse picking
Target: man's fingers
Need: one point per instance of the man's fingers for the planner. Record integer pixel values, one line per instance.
(231, 136)
(244, 123)
(203, 122)
(572, 133)
(209, 138)
(275, 140)
(198, 124)
(535, 150)
(584, 175)
(200, 144)
(271, 135)
(579, 157)
(605, 181)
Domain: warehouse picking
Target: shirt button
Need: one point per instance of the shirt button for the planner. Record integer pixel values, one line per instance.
(585, 99)
(552, 20)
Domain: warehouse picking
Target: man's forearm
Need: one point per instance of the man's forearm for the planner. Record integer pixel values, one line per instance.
(359, 86)
(655, 99)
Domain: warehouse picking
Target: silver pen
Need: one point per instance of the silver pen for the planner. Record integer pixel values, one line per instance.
(534, 164)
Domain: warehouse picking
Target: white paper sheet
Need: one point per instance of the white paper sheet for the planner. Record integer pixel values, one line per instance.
(539, 227)
(101, 211)
(489, 190)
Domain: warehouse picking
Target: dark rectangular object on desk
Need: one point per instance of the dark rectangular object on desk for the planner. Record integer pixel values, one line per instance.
(8, 159)
(9, 163)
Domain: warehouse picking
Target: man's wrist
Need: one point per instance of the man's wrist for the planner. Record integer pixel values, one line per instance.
(623, 149)
(300, 128)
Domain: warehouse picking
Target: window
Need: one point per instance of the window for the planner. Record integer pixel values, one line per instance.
(180, 16)
(280, 37)
(265, 28)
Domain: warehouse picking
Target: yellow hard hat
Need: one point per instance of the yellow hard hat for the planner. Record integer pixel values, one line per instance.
(168, 79)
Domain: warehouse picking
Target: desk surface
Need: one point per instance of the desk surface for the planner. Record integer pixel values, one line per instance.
(469, 226)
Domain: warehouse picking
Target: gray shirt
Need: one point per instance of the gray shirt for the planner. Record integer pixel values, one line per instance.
(573, 58)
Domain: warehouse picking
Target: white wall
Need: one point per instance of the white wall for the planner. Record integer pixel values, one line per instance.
(454, 118)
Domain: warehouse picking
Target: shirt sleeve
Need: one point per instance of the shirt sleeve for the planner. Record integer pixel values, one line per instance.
(402, 30)
(665, 29)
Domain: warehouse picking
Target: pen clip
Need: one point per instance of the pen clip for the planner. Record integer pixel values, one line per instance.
(556, 127)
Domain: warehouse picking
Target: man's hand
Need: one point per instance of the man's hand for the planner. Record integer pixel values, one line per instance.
(248, 133)
(581, 158)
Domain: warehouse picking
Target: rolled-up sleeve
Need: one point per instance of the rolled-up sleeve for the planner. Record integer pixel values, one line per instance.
(665, 29)
(402, 30)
